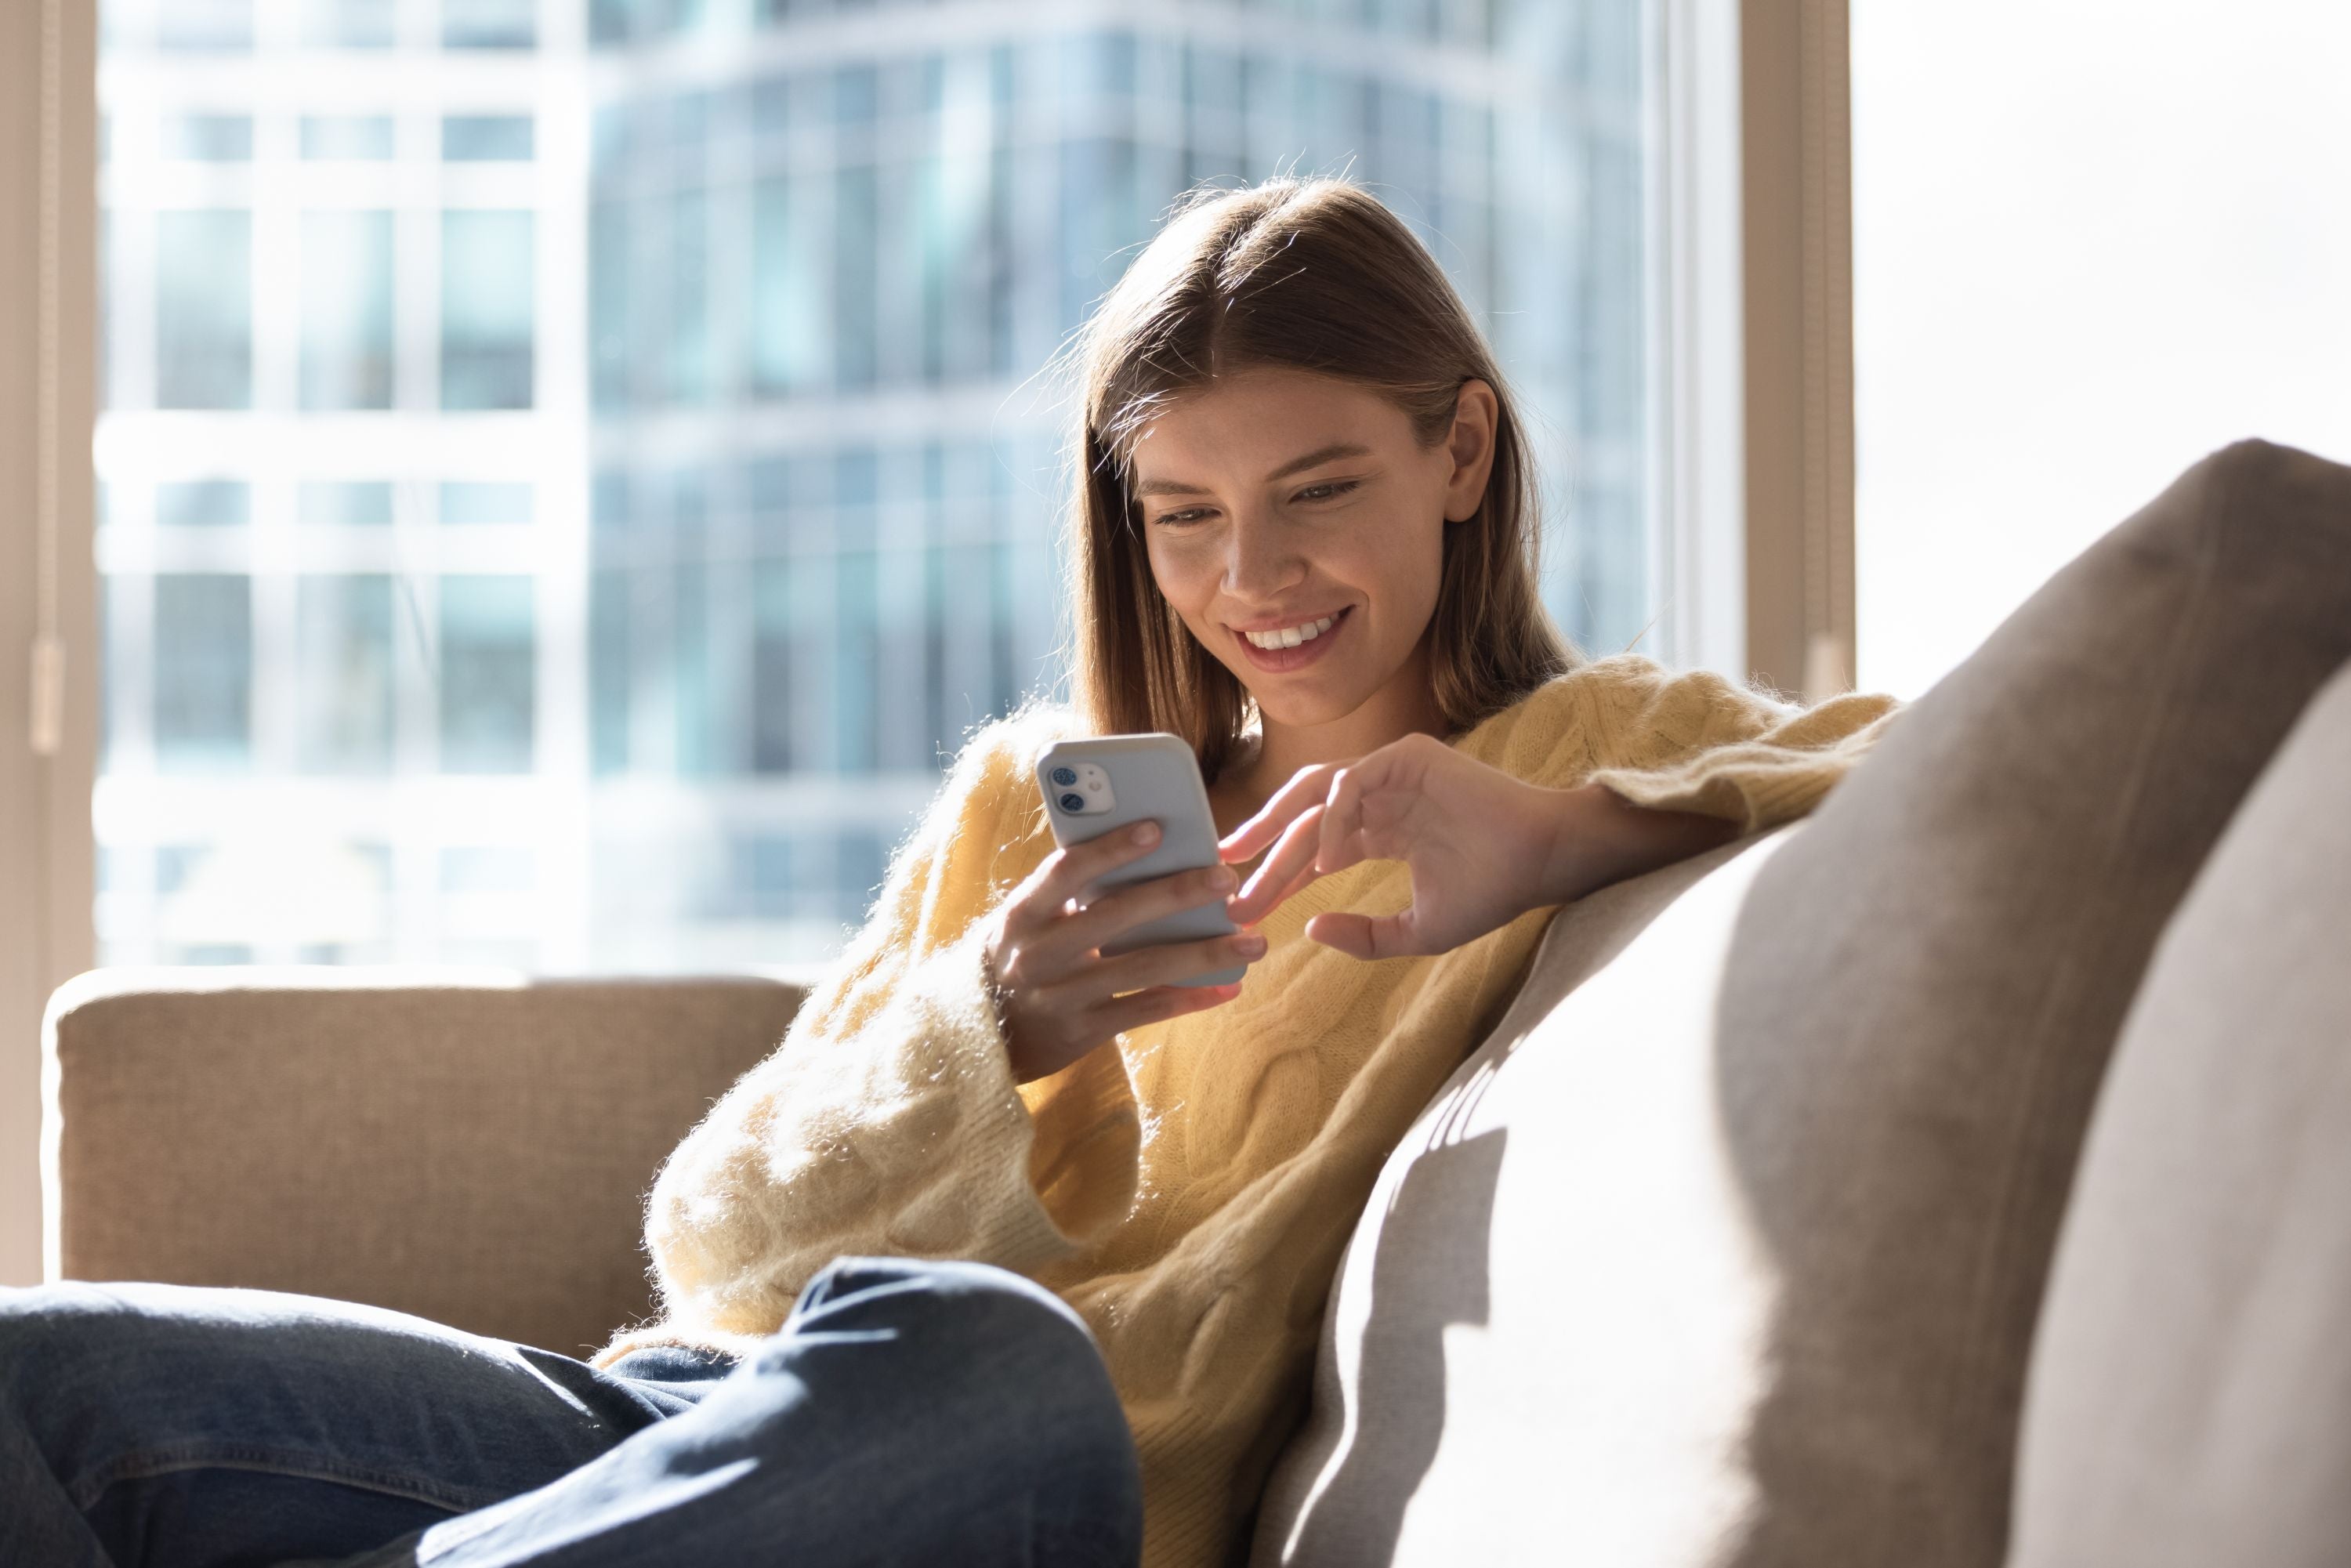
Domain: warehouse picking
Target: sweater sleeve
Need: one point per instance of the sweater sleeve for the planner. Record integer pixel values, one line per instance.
(1695, 741)
(887, 1121)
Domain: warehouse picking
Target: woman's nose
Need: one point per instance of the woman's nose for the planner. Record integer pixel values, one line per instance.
(1258, 561)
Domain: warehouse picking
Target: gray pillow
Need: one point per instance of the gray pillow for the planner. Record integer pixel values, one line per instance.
(2189, 1400)
(1901, 1031)
(1541, 1345)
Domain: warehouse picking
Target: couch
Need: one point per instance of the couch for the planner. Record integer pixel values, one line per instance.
(1958, 1176)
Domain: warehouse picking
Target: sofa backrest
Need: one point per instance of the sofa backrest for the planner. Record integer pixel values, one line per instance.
(1772, 1272)
(472, 1150)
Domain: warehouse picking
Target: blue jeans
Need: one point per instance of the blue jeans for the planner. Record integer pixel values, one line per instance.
(906, 1412)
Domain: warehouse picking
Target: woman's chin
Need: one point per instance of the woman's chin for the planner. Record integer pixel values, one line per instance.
(1300, 710)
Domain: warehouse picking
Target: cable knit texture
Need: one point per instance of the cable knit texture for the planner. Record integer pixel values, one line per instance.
(1188, 1190)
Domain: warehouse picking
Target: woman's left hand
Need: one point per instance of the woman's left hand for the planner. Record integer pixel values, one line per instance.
(1479, 845)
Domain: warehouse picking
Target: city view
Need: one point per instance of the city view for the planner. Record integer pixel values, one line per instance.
(573, 473)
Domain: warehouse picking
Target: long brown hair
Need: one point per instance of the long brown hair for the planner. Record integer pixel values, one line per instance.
(1312, 275)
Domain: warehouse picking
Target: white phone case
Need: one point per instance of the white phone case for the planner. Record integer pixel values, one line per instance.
(1151, 778)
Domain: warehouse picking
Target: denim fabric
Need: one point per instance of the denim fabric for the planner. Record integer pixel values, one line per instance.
(907, 1411)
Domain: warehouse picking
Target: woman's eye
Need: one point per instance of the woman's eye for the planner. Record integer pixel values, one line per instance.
(1178, 519)
(1330, 491)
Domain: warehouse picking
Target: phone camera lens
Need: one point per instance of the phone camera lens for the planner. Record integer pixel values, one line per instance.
(1073, 802)
(1065, 776)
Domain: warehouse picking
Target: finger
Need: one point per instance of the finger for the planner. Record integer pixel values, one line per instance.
(1365, 936)
(1296, 883)
(1172, 961)
(1283, 866)
(1340, 843)
(1104, 918)
(1304, 789)
(1264, 909)
(1123, 1013)
(1068, 873)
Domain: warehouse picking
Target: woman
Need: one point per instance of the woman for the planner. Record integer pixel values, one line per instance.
(1302, 536)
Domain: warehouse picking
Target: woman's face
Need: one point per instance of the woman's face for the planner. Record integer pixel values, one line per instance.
(1299, 507)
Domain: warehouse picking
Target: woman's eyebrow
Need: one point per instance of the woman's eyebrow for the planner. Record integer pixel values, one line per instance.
(1315, 458)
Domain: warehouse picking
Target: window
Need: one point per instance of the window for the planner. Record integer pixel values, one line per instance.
(342, 674)
(624, 476)
(203, 309)
(488, 23)
(203, 503)
(203, 720)
(350, 24)
(344, 137)
(486, 137)
(346, 311)
(203, 27)
(208, 138)
(335, 503)
(488, 309)
(2059, 306)
(471, 502)
(489, 664)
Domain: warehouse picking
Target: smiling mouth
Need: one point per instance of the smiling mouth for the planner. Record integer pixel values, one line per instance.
(1290, 648)
(1291, 636)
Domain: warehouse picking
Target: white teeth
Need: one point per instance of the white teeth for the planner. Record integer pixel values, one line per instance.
(1291, 636)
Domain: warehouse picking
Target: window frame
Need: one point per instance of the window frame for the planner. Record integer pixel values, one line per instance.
(1752, 334)
(47, 404)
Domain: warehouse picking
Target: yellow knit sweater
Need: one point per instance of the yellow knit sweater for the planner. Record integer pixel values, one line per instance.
(1189, 1190)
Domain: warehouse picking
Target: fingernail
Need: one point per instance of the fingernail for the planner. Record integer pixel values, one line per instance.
(1250, 944)
(1146, 832)
(1223, 880)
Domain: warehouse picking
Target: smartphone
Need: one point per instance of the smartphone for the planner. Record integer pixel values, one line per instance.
(1101, 785)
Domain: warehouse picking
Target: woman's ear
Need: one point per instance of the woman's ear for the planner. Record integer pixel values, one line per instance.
(1475, 413)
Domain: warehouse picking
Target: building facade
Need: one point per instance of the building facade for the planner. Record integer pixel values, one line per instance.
(574, 474)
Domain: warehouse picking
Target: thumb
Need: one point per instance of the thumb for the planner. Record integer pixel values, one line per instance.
(1365, 936)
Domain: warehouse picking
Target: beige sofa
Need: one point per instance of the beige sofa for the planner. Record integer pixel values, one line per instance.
(1793, 1215)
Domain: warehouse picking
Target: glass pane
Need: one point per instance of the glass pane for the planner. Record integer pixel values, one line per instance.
(488, 669)
(472, 501)
(487, 868)
(2095, 318)
(204, 672)
(203, 27)
(488, 311)
(346, 136)
(342, 673)
(486, 137)
(791, 335)
(346, 311)
(333, 502)
(208, 138)
(490, 23)
(203, 309)
(350, 24)
(609, 671)
(203, 503)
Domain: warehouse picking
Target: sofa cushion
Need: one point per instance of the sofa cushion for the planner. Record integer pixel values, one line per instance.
(1555, 1296)
(2190, 1401)
(1900, 1036)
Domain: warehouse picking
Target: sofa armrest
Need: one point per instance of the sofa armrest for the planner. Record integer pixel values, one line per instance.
(464, 1145)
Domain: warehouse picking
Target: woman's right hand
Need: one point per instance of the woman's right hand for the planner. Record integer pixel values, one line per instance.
(1057, 997)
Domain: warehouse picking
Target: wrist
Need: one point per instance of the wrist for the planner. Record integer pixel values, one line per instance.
(1576, 821)
(1598, 837)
